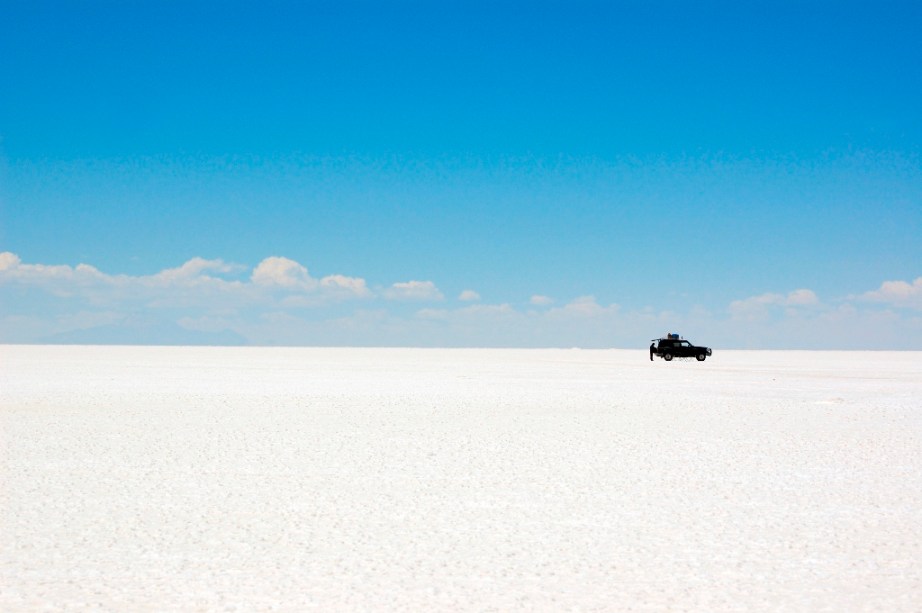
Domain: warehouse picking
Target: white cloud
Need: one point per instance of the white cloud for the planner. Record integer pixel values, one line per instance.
(434, 314)
(64, 278)
(282, 272)
(801, 297)
(8, 261)
(487, 310)
(12, 268)
(58, 280)
(897, 293)
(353, 286)
(758, 307)
(413, 290)
(207, 298)
(91, 272)
(584, 306)
(190, 271)
(192, 284)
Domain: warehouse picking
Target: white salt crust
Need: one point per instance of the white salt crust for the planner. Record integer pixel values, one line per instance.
(161, 478)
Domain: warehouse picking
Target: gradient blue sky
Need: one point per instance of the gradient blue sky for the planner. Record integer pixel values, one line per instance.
(461, 173)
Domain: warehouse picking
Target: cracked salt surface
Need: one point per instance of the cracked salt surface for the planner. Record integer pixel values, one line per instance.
(162, 478)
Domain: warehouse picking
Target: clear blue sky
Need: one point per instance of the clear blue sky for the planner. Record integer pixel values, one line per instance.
(481, 173)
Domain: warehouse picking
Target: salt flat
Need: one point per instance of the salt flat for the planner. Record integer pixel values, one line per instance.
(160, 478)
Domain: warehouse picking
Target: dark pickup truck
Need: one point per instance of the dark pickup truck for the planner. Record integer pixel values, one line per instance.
(674, 347)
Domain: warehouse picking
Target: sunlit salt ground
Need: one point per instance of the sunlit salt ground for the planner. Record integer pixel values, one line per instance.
(389, 479)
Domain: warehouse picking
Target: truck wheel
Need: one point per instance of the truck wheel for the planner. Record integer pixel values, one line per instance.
(701, 357)
(667, 357)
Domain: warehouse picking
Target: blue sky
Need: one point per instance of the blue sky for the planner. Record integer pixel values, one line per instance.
(460, 173)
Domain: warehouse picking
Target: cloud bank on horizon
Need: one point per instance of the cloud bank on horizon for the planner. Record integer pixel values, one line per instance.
(278, 302)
